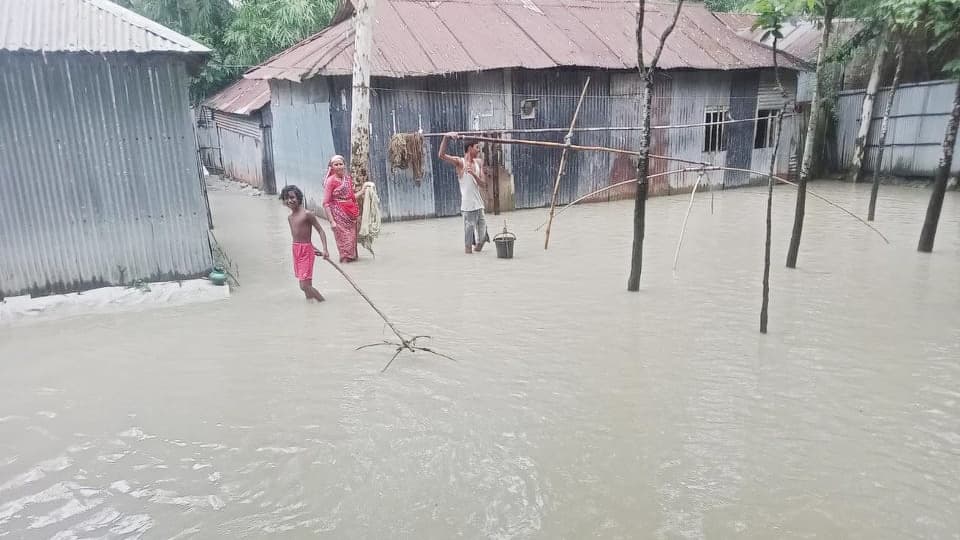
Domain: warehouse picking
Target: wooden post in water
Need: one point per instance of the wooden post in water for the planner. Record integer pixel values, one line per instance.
(360, 111)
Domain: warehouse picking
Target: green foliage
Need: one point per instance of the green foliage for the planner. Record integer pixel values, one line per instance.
(726, 5)
(263, 28)
(239, 37)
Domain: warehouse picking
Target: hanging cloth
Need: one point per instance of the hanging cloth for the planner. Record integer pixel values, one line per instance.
(370, 218)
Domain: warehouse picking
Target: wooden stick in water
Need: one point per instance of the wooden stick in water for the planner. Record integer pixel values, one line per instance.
(408, 344)
(563, 163)
(683, 228)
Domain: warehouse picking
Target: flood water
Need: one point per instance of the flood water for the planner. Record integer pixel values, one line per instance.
(574, 410)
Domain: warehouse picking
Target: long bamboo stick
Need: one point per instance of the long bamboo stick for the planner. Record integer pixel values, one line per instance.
(563, 162)
(549, 144)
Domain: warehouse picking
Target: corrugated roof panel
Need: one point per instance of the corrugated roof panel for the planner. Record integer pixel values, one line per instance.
(474, 27)
(85, 26)
(551, 39)
(590, 48)
(400, 52)
(680, 50)
(458, 36)
(242, 97)
(435, 38)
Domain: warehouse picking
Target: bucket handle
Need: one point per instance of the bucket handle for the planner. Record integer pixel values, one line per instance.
(504, 236)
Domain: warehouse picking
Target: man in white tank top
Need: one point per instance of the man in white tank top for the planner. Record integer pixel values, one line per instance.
(470, 176)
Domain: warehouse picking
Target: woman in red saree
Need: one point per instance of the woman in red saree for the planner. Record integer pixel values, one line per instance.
(340, 203)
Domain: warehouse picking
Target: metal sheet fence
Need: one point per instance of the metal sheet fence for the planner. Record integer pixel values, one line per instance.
(918, 121)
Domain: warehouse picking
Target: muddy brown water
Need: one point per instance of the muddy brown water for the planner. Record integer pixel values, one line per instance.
(575, 410)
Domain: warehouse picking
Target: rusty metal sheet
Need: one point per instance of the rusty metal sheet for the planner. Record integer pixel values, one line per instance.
(414, 38)
(400, 51)
(510, 47)
(242, 97)
(439, 44)
(583, 38)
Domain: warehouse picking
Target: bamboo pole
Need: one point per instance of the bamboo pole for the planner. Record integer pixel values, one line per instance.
(563, 162)
(404, 344)
(548, 144)
(683, 227)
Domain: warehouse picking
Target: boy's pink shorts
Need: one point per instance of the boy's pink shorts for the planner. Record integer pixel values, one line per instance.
(303, 257)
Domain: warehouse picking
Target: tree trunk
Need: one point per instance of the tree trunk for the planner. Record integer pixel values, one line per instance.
(809, 144)
(360, 112)
(643, 185)
(940, 180)
(764, 306)
(643, 160)
(866, 112)
(884, 124)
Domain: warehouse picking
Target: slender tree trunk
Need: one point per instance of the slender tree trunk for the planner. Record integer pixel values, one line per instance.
(940, 180)
(809, 144)
(643, 161)
(884, 124)
(360, 111)
(643, 186)
(764, 306)
(866, 112)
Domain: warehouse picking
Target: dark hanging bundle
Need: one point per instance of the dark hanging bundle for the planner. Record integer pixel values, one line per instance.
(406, 152)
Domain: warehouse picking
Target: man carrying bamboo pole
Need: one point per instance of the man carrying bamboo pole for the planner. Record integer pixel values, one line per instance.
(470, 176)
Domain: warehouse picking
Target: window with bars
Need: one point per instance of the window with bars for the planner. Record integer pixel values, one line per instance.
(713, 139)
(766, 132)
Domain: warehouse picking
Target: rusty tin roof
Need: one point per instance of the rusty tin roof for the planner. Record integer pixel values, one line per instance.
(418, 37)
(242, 97)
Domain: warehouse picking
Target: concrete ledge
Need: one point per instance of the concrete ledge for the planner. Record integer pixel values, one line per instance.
(23, 309)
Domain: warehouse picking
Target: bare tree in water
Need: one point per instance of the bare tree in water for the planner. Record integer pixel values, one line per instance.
(943, 23)
(643, 160)
(770, 17)
(829, 9)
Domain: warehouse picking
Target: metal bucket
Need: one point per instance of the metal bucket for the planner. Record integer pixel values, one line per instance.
(504, 242)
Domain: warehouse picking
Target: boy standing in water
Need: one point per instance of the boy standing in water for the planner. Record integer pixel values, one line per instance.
(302, 221)
(470, 177)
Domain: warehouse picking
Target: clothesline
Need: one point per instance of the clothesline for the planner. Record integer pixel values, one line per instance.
(602, 129)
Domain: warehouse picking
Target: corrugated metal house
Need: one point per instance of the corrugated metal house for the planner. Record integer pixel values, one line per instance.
(99, 176)
(241, 116)
(512, 64)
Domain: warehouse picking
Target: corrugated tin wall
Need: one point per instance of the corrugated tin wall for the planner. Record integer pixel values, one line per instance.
(99, 174)
(208, 140)
(915, 135)
(241, 147)
(492, 100)
(302, 138)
